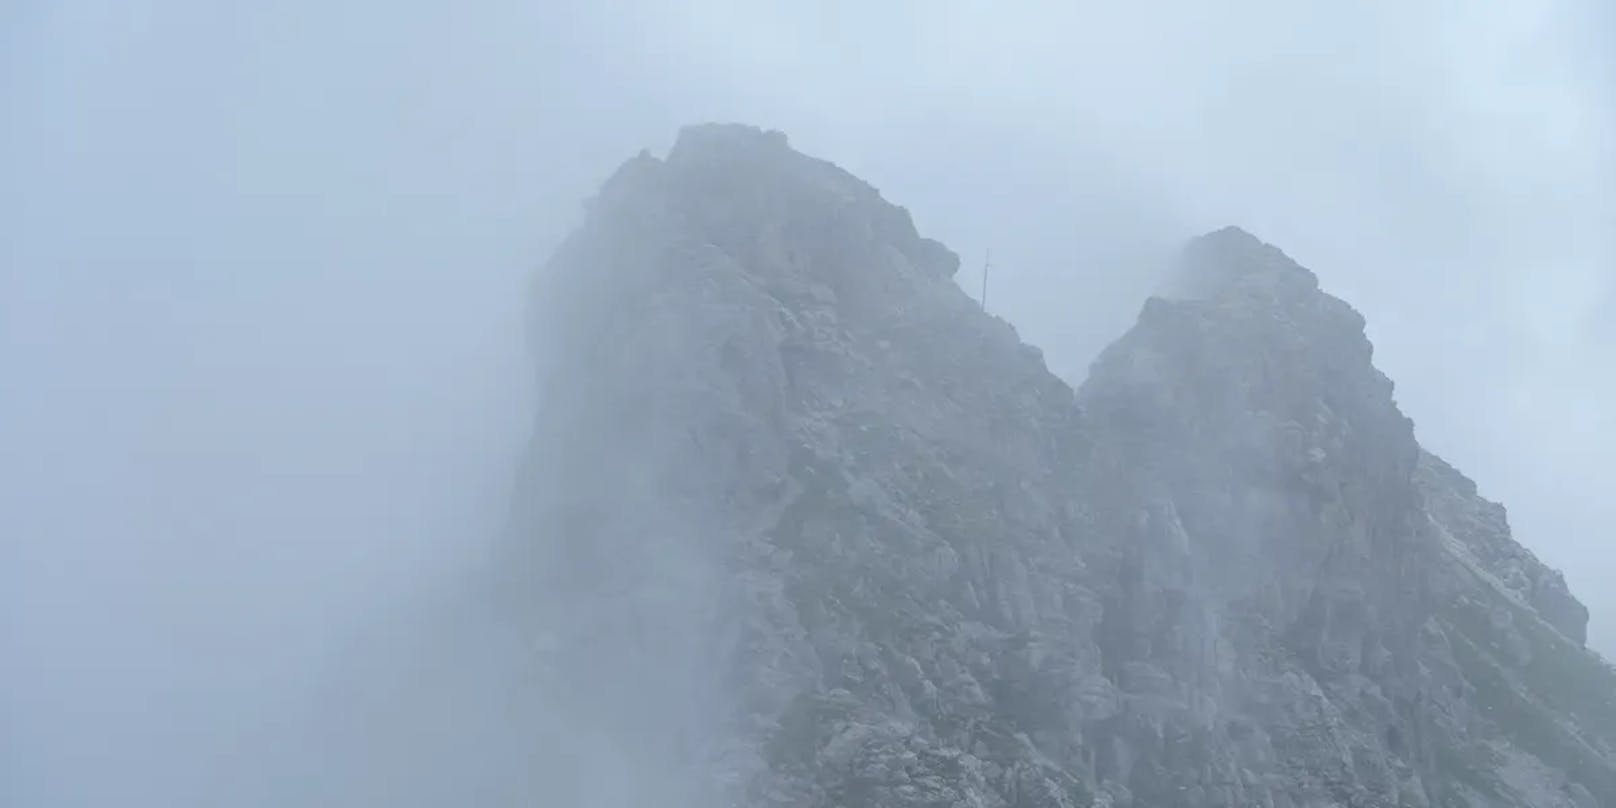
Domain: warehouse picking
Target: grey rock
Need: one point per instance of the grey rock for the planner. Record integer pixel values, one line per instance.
(802, 526)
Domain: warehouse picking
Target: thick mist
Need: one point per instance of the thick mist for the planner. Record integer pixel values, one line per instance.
(263, 271)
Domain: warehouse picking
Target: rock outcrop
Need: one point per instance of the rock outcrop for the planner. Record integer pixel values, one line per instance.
(802, 526)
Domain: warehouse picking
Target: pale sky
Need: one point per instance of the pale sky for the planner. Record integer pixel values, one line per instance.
(261, 268)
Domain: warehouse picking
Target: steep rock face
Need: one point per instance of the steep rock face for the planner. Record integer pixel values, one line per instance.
(802, 526)
(1480, 531)
(1329, 588)
(1271, 577)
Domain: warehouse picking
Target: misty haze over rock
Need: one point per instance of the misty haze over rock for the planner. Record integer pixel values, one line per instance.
(801, 525)
(279, 485)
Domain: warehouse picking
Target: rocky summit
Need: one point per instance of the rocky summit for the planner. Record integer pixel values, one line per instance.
(801, 525)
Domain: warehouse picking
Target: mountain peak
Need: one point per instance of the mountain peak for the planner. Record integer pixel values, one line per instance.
(1234, 249)
(744, 191)
(728, 138)
(1238, 304)
(1232, 236)
(1232, 263)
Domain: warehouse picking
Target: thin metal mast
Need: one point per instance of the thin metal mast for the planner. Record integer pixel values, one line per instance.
(987, 262)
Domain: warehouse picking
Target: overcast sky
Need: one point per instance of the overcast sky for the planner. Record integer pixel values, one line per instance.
(261, 268)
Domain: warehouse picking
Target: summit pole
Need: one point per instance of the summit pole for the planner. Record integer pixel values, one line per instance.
(987, 263)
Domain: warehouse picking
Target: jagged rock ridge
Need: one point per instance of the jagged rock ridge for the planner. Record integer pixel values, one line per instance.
(802, 526)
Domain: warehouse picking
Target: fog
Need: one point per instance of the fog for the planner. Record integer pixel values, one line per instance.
(262, 269)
